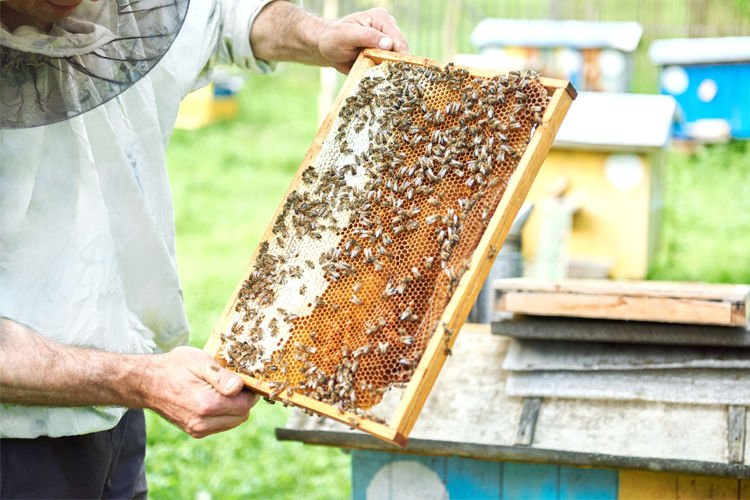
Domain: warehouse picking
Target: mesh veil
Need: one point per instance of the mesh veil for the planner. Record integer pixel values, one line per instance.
(84, 60)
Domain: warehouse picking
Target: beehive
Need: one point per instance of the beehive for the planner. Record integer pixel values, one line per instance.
(385, 237)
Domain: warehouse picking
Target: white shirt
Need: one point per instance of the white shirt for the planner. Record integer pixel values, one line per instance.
(86, 225)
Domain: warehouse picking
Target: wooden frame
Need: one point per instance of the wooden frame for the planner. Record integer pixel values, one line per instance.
(654, 301)
(397, 430)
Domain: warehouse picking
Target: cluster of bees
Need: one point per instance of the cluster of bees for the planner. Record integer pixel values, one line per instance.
(382, 226)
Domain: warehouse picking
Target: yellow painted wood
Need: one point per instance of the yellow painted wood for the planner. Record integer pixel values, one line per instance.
(647, 485)
(744, 489)
(612, 225)
(644, 485)
(707, 487)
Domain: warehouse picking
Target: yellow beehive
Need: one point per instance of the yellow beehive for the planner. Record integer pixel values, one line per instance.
(611, 160)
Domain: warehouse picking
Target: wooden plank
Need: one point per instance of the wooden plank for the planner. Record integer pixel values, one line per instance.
(639, 484)
(530, 481)
(591, 484)
(707, 487)
(469, 479)
(602, 330)
(669, 289)
(663, 310)
(360, 441)
(736, 432)
(527, 423)
(465, 295)
(398, 477)
(471, 283)
(365, 465)
(744, 489)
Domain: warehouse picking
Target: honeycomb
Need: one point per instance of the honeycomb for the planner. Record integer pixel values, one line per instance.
(368, 248)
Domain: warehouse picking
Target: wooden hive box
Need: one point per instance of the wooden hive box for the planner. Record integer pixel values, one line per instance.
(385, 236)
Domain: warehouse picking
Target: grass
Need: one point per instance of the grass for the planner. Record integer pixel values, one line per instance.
(706, 218)
(227, 180)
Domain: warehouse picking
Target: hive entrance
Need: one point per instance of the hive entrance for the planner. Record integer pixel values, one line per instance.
(375, 234)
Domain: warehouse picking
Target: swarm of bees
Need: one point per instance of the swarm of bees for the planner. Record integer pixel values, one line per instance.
(369, 247)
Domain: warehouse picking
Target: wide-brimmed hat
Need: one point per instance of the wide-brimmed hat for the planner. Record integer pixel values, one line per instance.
(84, 60)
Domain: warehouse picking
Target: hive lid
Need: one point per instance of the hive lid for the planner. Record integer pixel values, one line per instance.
(623, 36)
(700, 50)
(612, 120)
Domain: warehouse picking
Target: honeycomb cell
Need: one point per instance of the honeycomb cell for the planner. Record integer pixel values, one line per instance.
(369, 248)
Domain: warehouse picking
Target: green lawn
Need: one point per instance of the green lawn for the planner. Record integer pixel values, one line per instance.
(227, 180)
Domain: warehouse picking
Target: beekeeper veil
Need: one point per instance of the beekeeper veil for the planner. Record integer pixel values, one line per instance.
(84, 60)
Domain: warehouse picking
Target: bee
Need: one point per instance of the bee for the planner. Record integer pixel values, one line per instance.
(302, 289)
(406, 362)
(405, 314)
(356, 300)
(448, 331)
(416, 273)
(383, 347)
(492, 252)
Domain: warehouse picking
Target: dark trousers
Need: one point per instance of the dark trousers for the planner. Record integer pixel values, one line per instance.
(106, 464)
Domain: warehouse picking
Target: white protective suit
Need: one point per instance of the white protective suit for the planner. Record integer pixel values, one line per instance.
(86, 225)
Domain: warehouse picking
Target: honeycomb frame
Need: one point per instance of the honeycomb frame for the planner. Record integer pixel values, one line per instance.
(437, 347)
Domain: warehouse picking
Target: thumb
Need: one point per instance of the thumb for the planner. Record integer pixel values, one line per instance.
(363, 36)
(224, 381)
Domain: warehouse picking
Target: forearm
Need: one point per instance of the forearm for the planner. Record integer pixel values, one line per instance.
(185, 385)
(284, 32)
(37, 371)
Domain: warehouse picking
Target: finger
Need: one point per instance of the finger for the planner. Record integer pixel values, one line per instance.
(355, 36)
(224, 381)
(386, 23)
(240, 405)
(214, 425)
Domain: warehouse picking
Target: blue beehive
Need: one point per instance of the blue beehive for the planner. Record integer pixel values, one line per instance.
(710, 79)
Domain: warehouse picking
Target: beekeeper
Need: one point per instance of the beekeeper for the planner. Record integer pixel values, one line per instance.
(89, 289)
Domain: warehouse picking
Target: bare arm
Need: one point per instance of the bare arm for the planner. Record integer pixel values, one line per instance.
(284, 32)
(186, 385)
